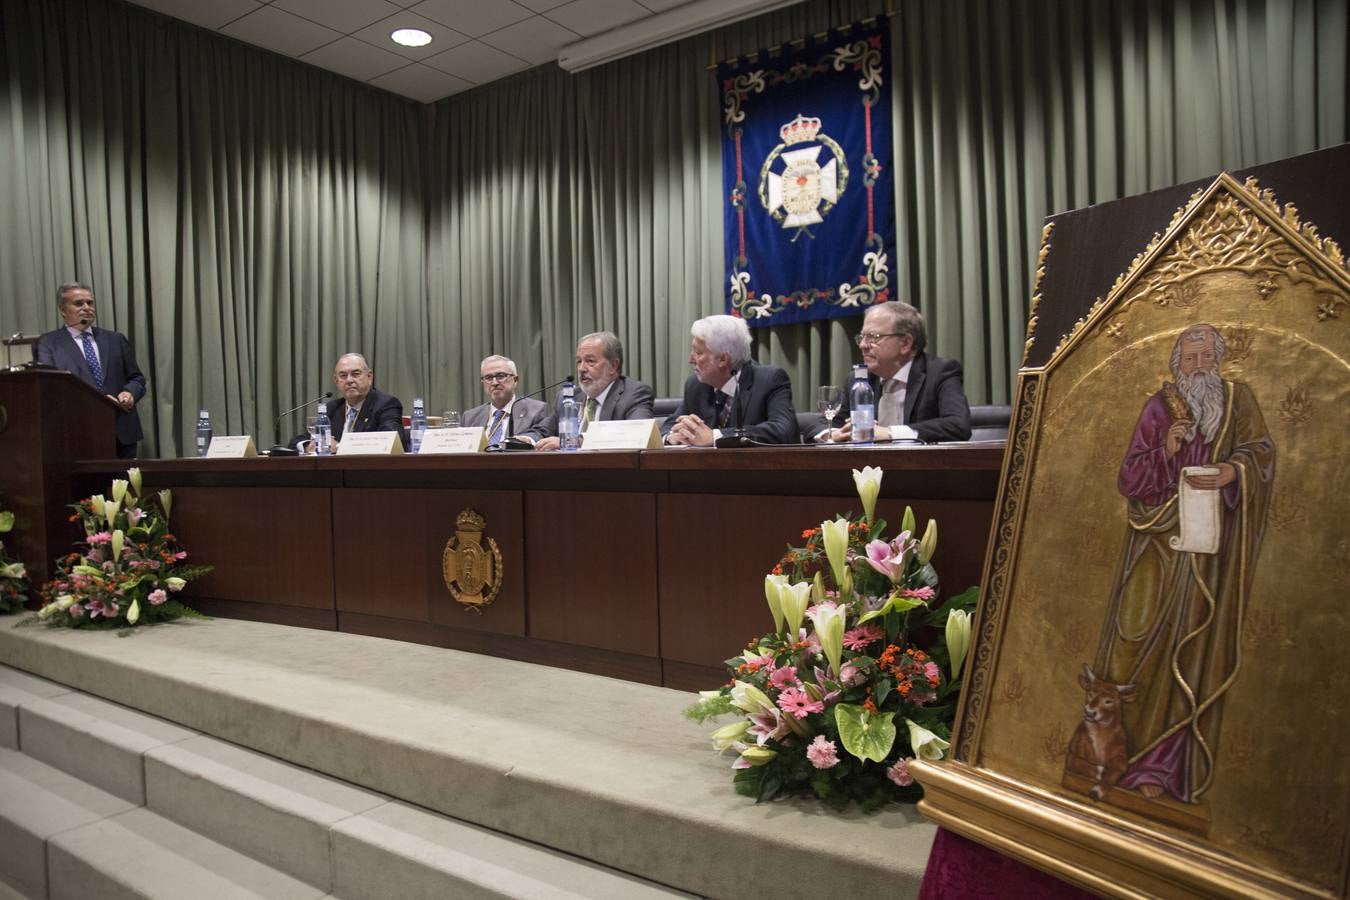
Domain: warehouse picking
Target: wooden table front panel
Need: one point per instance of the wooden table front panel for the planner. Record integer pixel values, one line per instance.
(591, 569)
(714, 551)
(269, 545)
(388, 548)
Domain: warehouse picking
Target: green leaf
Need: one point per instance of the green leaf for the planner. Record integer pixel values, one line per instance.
(882, 690)
(863, 734)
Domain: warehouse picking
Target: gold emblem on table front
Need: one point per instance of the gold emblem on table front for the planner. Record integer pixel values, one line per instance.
(472, 569)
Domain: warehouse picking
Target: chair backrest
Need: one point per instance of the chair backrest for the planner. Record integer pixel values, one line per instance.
(664, 406)
(989, 423)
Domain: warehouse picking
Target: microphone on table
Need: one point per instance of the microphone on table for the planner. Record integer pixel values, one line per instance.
(511, 443)
(281, 449)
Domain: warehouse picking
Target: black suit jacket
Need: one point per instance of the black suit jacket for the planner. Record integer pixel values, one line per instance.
(528, 418)
(762, 405)
(120, 372)
(380, 412)
(628, 398)
(935, 400)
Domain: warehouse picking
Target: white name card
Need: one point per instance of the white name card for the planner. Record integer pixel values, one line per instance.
(231, 446)
(622, 434)
(370, 443)
(454, 440)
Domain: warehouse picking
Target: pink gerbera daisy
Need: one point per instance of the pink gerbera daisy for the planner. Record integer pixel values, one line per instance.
(799, 703)
(922, 593)
(857, 639)
(785, 677)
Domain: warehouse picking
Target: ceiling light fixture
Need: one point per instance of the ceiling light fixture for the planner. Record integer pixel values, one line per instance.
(410, 37)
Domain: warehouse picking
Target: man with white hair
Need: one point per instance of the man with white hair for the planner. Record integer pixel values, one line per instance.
(1173, 627)
(729, 391)
(505, 415)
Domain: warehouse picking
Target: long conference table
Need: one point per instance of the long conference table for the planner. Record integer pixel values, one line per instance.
(643, 565)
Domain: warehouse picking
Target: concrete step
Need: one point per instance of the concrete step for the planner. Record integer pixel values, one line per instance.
(96, 741)
(399, 850)
(38, 801)
(275, 812)
(16, 689)
(139, 855)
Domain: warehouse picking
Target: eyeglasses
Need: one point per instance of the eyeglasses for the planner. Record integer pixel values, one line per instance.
(493, 377)
(872, 337)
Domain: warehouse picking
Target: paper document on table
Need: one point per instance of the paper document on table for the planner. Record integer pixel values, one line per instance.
(1199, 529)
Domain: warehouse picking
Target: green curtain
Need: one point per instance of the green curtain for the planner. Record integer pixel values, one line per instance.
(246, 218)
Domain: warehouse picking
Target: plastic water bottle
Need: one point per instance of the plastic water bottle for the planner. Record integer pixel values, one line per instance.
(417, 426)
(863, 405)
(569, 420)
(203, 432)
(323, 430)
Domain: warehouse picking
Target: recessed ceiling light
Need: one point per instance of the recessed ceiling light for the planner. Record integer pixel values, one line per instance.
(410, 37)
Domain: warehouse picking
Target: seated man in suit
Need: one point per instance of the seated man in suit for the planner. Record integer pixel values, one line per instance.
(918, 397)
(606, 395)
(97, 356)
(361, 406)
(505, 415)
(730, 391)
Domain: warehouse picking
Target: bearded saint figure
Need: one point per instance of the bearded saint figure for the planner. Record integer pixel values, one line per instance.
(1174, 622)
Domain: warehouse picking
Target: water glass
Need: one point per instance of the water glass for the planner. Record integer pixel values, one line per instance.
(450, 418)
(829, 400)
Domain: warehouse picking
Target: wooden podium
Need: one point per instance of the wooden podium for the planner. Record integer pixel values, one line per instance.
(48, 419)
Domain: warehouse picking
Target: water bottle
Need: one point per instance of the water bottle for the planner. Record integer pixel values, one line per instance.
(203, 432)
(417, 426)
(863, 405)
(569, 420)
(323, 430)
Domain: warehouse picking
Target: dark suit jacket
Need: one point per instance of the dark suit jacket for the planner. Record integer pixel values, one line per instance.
(628, 398)
(120, 372)
(762, 405)
(529, 418)
(380, 412)
(935, 400)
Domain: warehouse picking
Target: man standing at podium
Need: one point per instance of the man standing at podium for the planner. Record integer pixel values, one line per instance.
(100, 357)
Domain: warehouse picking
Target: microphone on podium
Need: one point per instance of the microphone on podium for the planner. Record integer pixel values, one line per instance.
(281, 449)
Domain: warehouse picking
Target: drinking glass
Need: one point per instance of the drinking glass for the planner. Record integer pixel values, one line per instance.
(829, 400)
(450, 418)
(311, 423)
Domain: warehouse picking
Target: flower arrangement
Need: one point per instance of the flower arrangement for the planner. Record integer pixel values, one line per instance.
(859, 676)
(130, 566)
(13, 576)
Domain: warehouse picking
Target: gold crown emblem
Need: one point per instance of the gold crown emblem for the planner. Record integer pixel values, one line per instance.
(469, 520)
(802, 128)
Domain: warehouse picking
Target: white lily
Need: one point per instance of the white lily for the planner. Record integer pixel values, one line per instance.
(118, 539)
(773, 587)
(829, 622)
(754, 756)
(868, 483)
(175, 584)
(728, 736)
(958, 638)
(134, 476)
(110, 511)
(134, 613)
(835, 535)
(96, 502)
(928, 545)
(794, 598)
(166, 501)
(13, 570)
(926, 744)
(748, 698)
(119, 489)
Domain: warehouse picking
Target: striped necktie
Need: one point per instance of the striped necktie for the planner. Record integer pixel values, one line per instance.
(351, 421)
(495, 431)
(592, 413)
(721, 409)
(91, 357)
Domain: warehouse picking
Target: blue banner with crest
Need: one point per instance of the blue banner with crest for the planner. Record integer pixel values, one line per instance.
(806, 167)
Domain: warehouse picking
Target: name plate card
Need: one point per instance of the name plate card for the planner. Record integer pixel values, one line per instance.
(454, 440)
(370, 443)
(233, 446)
(622, 434)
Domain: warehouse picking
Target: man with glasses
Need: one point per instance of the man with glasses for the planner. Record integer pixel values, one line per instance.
(505, 415)
(360, 405)
(919, 397)
(97, 356)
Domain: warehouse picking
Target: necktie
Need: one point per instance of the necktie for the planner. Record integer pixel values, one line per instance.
(95, 369)
(495, 431)
(592, 413)
(351, 421)
(889, 410)
(722, 409)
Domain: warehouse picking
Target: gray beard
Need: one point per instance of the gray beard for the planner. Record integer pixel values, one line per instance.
(1203, 391)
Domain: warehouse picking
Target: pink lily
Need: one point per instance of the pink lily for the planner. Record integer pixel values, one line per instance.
(889, 559)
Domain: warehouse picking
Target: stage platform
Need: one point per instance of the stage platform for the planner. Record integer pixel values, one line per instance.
(266, 760)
